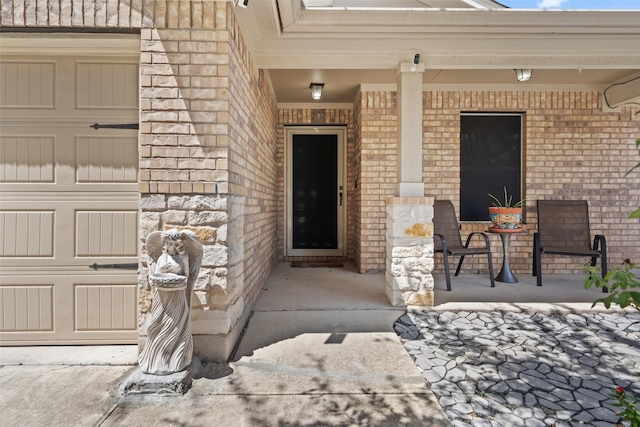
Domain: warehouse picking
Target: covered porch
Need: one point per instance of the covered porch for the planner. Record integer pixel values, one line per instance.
(319, 289)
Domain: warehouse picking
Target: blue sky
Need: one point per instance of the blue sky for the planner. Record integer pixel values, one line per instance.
(572, 4)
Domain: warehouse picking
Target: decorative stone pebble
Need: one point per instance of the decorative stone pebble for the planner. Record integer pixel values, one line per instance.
(519, 369)
(532, 422)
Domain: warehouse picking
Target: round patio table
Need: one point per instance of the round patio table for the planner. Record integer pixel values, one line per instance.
(506, 275)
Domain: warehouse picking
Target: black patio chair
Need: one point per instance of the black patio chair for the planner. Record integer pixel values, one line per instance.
(447, 239)
(563, 229)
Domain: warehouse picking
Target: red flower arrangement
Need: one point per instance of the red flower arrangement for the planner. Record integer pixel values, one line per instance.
(628, 403)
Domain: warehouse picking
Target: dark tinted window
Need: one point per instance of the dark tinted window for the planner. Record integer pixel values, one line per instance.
(490, 158)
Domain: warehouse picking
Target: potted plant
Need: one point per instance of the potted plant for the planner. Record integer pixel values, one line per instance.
(505, 215)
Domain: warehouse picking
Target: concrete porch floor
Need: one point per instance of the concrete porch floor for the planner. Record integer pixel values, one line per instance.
(291, 288)
(296, 301)
(319, 349)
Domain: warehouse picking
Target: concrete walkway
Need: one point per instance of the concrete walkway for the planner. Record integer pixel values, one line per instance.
(320, 350)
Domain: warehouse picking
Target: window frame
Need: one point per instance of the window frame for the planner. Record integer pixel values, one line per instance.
(466, 214)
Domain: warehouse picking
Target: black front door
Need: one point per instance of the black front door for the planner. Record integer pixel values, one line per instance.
(316, 194)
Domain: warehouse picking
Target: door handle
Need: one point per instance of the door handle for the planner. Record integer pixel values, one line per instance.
(341, 198)
(125, 266)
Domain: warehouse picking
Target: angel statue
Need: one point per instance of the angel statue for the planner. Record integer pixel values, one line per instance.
(174, 263)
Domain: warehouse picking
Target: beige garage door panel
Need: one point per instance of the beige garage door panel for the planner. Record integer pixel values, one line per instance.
(69, 86)
(26, 233)
(73, 308)
(68, 233)
(26, 158)
(67, 157)
(28, 83)
(26, 308)
(68, 199)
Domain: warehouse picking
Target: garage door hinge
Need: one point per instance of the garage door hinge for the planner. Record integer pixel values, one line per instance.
(130, 266)
(97, 126)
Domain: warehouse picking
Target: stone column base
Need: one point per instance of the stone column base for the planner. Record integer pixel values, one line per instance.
(410, 251)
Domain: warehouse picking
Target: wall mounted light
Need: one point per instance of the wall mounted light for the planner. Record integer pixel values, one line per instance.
(523, 74)
(316, 90)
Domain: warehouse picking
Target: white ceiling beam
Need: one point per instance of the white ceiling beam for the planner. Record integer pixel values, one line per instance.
(388, 60)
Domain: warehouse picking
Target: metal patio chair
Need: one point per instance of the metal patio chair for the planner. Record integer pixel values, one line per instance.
(447, 239)
(563, 229)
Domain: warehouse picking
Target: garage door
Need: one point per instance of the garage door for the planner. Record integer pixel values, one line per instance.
(68, 198)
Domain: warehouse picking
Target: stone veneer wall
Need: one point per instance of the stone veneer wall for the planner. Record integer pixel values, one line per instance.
(207, 145)
(305, 117)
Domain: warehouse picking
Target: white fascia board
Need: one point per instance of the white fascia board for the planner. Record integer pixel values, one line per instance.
(502, 21)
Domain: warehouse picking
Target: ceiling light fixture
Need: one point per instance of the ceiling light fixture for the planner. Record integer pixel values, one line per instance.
(316, 90)
(523, 74)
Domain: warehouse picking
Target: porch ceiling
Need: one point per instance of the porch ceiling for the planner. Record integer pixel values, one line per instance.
(465, 46)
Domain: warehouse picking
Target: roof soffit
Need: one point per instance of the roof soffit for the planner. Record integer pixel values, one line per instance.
(449, 51)
(285, 36)
(448, 38)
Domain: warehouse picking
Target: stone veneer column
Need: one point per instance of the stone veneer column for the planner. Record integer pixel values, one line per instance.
(409, 261)
(409, 251)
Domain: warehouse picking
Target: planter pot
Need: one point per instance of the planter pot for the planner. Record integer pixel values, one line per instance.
(505, 218)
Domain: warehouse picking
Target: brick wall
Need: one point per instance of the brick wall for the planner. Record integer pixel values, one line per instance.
(377, 175)
(184, 152)
(79, 13)
(573, 150)
(356, 167)
(208, 146)
(253, 173)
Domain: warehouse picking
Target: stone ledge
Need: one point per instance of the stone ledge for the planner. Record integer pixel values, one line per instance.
(410, 200)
